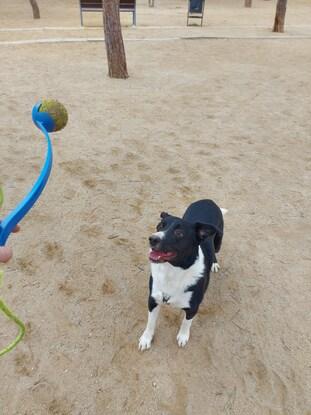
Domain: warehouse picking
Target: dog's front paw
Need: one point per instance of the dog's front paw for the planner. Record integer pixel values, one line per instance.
(215, 267)
(182, 338)
(145, 341)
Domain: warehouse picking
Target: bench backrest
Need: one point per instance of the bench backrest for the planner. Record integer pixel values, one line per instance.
(97, 4)
(91, 4)
(127, 4)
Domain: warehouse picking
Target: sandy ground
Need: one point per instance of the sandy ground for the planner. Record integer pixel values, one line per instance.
(224, 119)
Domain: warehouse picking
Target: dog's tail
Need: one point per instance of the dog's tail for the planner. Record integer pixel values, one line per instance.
(224, 211)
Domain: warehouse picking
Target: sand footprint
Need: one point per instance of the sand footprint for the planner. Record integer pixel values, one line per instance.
(92, 231)
(130, 157)
(266, 386)
(108, 287)
(53, 250)
(25, 364)
(45, 394)
(81, 168)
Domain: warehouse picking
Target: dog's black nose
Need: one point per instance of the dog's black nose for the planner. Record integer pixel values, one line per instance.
(154, 240)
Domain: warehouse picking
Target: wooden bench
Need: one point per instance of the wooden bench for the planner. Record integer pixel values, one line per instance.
(97, 6)
(195, 10)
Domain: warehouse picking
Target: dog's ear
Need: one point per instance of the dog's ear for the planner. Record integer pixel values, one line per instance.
(164, 215)
(204, 230)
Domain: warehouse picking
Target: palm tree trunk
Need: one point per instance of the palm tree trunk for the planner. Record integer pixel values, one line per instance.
(280, 16)
(114, 40)
(35, 9)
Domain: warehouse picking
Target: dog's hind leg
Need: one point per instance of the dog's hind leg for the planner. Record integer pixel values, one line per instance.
(215, 266)
(218, 241)
(208, 248)
(217, 245)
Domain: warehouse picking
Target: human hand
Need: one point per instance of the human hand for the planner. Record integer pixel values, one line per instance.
(5, 251)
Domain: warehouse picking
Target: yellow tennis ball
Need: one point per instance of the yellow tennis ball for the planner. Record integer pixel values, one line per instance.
(57, 111)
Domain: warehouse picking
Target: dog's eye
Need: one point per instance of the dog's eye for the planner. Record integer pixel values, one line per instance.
(179, 233)
(161, 225)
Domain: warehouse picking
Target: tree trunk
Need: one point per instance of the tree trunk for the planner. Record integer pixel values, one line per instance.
(280, 16)
(248, 3)
(35, 9)
(114, 40)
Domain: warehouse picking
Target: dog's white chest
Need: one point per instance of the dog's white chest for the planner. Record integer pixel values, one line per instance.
(170, 283)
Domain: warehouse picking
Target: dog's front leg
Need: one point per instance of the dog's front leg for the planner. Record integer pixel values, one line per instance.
(147, 336)
(184, 331)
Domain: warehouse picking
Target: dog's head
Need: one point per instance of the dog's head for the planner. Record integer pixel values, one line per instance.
(176, 239)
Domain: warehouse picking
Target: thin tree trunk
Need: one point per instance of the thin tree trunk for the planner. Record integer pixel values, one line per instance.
(35, 9)
(248, 3)
(114, 40)
(280, 16)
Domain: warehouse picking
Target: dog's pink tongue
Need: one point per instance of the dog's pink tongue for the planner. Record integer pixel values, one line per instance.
(160, 255)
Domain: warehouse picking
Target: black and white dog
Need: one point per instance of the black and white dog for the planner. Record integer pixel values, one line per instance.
(182, 255)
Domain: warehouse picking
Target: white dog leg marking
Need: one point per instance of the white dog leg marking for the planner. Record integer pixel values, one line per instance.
(147, 336)
(215, 267)
(184, 332)
(158, 296)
